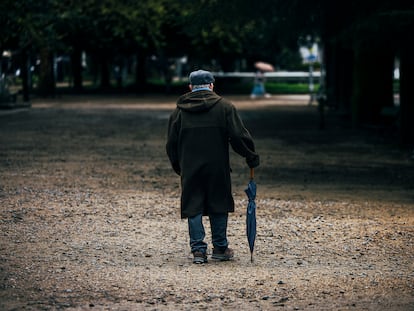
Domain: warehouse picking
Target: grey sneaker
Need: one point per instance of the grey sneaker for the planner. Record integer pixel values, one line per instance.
(199, 258)
(223, 255)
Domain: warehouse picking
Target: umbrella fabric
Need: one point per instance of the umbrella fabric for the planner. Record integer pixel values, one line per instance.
(251, 216)
(264, 66)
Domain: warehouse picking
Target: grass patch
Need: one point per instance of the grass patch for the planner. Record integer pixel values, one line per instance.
(289, 88)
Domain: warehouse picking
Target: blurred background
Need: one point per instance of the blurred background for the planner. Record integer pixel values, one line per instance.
(352, 56)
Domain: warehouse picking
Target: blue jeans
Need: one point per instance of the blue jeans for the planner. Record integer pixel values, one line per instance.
(218, 224)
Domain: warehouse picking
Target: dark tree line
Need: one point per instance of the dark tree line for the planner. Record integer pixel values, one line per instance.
(360, 40)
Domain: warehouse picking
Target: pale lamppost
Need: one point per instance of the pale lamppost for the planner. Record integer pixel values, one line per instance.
(309, 52)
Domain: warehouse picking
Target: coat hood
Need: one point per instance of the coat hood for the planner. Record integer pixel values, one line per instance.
(198, 101)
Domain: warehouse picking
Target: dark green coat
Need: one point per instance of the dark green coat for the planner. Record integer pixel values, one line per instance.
(199, 132)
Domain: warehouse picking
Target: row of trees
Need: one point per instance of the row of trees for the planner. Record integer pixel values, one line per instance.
(360, 41)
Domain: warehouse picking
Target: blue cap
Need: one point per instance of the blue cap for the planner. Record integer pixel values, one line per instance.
(201, 77)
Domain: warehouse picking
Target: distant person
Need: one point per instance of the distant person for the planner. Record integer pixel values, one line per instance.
(199, 133)
(259, 89)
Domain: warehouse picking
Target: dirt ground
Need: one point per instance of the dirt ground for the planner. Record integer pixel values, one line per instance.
(90, 216)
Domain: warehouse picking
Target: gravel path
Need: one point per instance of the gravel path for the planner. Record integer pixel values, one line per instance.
(90, 219)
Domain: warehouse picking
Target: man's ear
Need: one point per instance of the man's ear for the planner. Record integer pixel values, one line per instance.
(190, 87)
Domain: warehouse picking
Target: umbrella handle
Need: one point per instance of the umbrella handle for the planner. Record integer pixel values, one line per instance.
(251, 173)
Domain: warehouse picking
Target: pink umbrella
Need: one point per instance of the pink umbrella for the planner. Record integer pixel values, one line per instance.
(264, 66)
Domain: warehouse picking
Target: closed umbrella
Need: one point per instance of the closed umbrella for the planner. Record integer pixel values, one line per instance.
(251, 213)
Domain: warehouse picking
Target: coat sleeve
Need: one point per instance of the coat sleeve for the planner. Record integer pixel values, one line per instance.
(240, 138)
(172, 142)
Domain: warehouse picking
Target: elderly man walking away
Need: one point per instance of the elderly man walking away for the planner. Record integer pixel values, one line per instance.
(199, 133)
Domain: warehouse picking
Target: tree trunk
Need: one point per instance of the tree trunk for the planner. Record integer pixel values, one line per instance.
(140, 73)
(372, 85)
(407, 94)
(24, 63)
(76, 60)
(46, 85)
(105, 75)
(338, 56)
(338, 63)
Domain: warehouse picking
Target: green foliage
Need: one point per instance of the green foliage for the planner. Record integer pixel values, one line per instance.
(289, 88)
(25, 22)
(96, 24)
(205, 29)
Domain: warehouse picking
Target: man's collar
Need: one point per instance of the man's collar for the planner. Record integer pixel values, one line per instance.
(201, 89)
